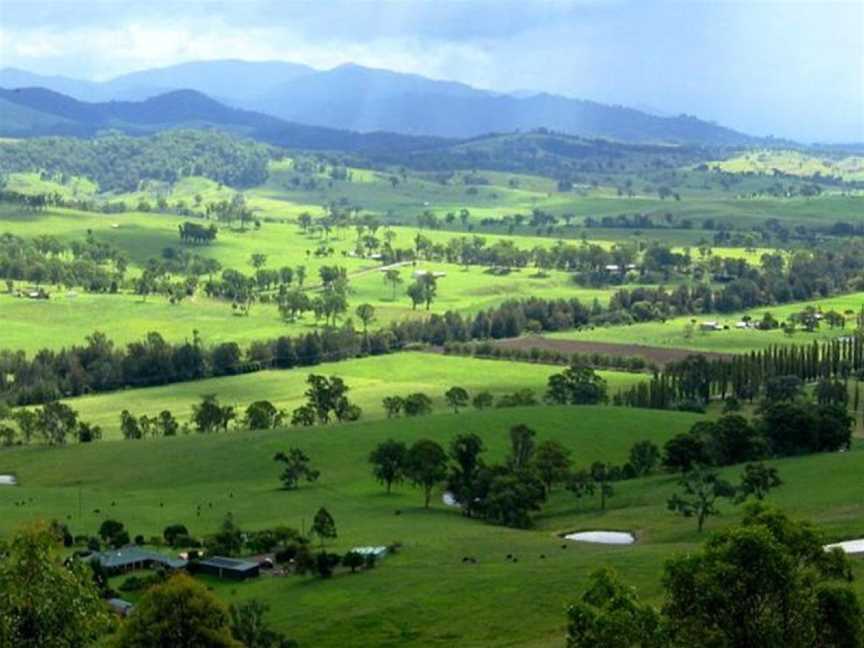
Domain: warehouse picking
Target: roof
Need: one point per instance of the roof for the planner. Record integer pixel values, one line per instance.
(127, 556)
(228, 563)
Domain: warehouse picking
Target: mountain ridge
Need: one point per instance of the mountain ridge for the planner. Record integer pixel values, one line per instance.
(41, 112)
(358, 98)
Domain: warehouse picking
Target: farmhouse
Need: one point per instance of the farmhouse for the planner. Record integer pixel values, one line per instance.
(132, 558)
(710, 326)
(230, 568)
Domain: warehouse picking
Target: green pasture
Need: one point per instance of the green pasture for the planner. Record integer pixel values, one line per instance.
(69, 316)
(370, 380)
(849, 168)
(673, 332)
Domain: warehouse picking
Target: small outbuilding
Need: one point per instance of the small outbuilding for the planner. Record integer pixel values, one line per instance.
(120, 606)
(230, 568)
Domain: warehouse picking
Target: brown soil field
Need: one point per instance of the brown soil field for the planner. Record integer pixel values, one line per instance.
(657, 355)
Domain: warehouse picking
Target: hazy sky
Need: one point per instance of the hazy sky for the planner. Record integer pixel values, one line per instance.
(793, 69)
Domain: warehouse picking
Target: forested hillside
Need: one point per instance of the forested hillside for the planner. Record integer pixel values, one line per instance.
(119, 162)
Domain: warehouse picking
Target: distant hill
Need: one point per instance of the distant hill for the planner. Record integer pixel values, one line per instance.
(38, 111)
(226, 79)
(352, 97)
(364, 99)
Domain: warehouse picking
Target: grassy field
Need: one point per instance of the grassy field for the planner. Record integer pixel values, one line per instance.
(849, 168)
(68, 317)
(672, 333)
(424, 595)
(370, 380)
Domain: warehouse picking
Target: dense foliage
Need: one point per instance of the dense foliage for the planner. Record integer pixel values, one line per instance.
(766, 582)
(120, 162)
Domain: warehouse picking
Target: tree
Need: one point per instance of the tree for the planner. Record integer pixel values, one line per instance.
(456, 397)
(250, 627)
(831, 392)
(611, 615)
(55, 421)
(180, 613)
(262, 415)
(417, 404)
(324, 563)
(601, 475)
(328, 396)
(394, 278)
(701, 490)
(767, 582)
(228, 540)
(167, 424)
(296, 468)
(323, 526)
(576, 385)
(426, 466)
(293, 303)
(423, 290)
(113, 533)
(258, 260)
(482, 400)
(353, 560)
(683, 451)
(757, 480)
(783, 388)
(644, 457)
(303, 415)
(800, 428)
(366, 315)
(209, 415)
(731, 439)
(87, 432)
(45, 603)
(415, 294)
(552, 463)
(521, 447)
(509, 496)
(174, 531)
(388, 462)
(393, 405)
(462, 482)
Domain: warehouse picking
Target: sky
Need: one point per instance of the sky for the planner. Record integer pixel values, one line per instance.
(790, 69)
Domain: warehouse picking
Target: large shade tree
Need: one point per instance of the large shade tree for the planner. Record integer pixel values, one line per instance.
(44, 603)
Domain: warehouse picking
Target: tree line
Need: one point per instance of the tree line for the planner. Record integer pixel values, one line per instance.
(692, 382)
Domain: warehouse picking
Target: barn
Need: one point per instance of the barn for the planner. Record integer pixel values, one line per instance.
(230, 568)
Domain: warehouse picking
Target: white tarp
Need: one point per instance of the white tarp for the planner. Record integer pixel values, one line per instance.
(375, 551)
(8, 480)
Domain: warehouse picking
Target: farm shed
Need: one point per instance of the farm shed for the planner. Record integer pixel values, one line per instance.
(230, 568)
(378, 552)
(710, 326)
